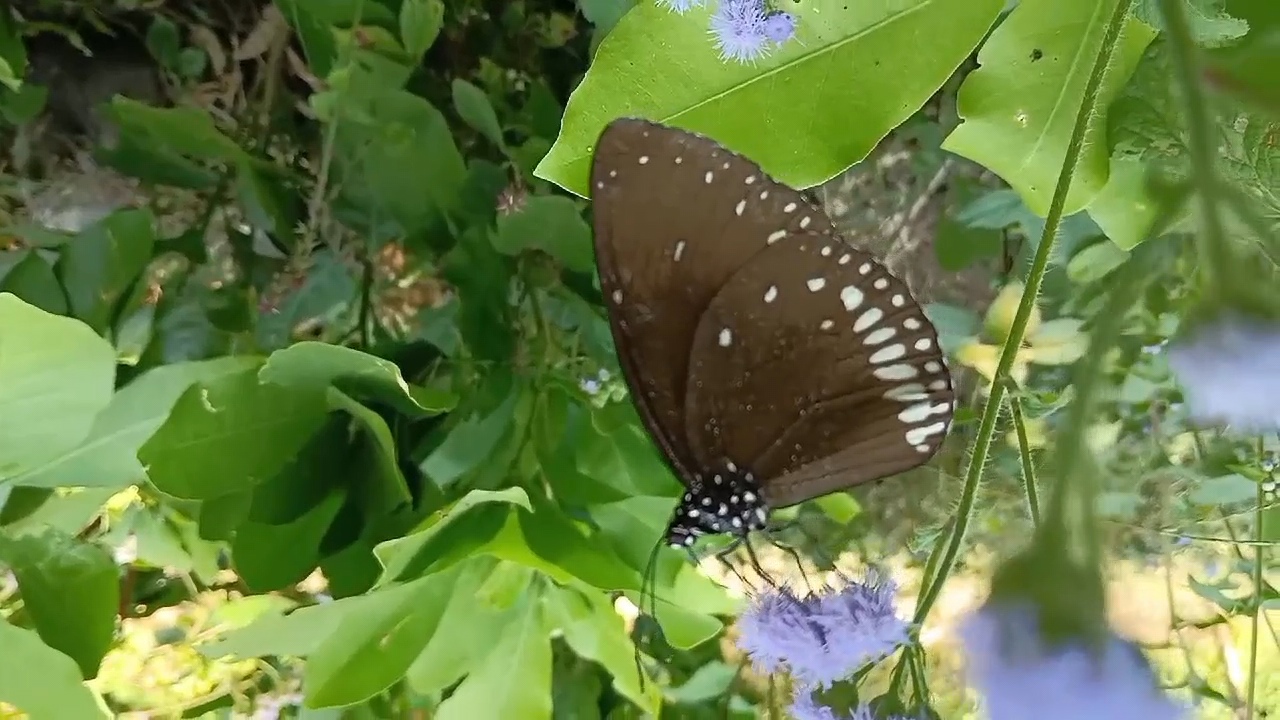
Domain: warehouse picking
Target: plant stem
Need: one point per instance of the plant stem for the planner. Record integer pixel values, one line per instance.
(1204, 176)
(1258, 549)
(1028, 465)
(1035, 276)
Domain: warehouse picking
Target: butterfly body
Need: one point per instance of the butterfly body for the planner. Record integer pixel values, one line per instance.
(770, 361)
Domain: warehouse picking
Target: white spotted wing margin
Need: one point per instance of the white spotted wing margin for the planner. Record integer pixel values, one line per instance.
(675, 216)
(831, 367)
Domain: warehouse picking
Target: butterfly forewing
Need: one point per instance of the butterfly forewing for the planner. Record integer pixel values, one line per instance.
(815, 368)
(676, 216)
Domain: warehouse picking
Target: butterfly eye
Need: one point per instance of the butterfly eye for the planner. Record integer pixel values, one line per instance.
(770, 361)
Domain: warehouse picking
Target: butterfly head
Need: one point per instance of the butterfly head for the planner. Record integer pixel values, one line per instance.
(725, 501)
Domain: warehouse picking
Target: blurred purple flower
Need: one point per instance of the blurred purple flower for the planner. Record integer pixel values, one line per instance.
(590, 386)
(1020, 678)
(1227, 370)
(780, 27)
(681, 7)
(739, 30)
(806, 707)
(822, 638)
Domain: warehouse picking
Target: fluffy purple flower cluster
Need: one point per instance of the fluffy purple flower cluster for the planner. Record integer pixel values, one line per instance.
(1020, 678)
(822, 638)
(1227, 370)
(744, 30)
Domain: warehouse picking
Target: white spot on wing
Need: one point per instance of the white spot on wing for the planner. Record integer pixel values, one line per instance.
(816, 284)
(924, 344)
(867, 319)
(679, 249)
(775, 236)
(901, 371)
(771, 294)
(742, 205)
(726, 337)
(878, 336)
(644, 159)
(888, 353)
(709, 177)
(851, 297)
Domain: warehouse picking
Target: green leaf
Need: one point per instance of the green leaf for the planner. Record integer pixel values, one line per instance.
(1095, 262)
(1211, 26)
(181, 130)
(163, 42)
(274, 557)
(420, 23)
(41, 681)
(267, 203)
(31, 278)
(67, 511)
(100, 264)
(1146, 124)
(839, 87)
(1019, 106)
(470, 443)
(404, 557)
(1058, 342)
(549, 223)
(297, 633)
(108, 456)
(515, 680)
(384, 489)
(467, 632)
(1225, 490)
(230, 434)
(955, 325)
(374, 647)
(1244, 71)
(404, 168)
(605, 14)
(327, 461)
(316, 366)
(1124, 209)
(474, 108)
(595, 632)
(71, 591)
(55, 375)
(840, 507)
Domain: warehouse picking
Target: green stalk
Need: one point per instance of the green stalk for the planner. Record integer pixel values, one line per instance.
(1203, 150)
(991, 410)
(1028, 464)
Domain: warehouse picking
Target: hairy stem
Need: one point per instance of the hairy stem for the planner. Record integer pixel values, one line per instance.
(1028, 464)
(1035, 276)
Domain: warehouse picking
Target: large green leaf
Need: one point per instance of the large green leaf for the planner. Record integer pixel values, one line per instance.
(316, 365)
(811, 109)
(230, 434)
(596, 632)
(272, 557)
(403, 558)
(100, 264)
(466, 633)
(56, 374)
(26, 274)
(551, 224)
(374, 647)
(514, 681)
(70, 589)
(1019, 107)
(108, 458)
(41, 681)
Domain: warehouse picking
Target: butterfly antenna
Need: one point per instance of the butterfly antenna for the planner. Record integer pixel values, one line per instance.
(648, 589)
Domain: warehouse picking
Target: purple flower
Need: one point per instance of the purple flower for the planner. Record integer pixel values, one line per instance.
(1227, 370)
(780, 27)
(739, 30)
(1019, 677)
(681, 7)
(822, 638)
(590, 386)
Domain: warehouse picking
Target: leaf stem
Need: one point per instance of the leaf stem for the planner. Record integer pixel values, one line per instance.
(1028, 464)
(1035, 276)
